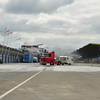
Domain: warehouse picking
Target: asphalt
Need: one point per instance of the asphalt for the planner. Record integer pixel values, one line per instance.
(51, 85)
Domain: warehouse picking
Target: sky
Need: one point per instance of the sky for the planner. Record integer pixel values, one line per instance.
(58, 24)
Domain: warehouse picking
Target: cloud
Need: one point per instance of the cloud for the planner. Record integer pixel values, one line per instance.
(34, 6)
(67, 24)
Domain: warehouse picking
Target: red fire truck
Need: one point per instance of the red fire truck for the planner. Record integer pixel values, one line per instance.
(49, 57)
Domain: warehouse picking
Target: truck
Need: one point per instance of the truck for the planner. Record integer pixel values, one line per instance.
(49, 57)
(66, 60)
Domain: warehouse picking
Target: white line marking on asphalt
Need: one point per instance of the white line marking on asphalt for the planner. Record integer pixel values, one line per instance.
(3, 95)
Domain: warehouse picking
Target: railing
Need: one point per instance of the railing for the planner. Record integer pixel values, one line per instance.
(14, 52)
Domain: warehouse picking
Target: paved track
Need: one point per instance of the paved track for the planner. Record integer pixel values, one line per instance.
(49, 85)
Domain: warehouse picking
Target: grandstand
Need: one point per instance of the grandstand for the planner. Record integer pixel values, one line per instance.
(90, 53)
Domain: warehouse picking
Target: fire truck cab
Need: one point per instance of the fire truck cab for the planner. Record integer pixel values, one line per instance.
(49, 57)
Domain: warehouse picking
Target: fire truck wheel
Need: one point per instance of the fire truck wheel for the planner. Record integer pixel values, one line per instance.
(59, 63)
(51, 63)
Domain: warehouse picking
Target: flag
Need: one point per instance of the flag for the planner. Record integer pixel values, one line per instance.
(25, 43)
(35, 49)
(10, 33)
(6, 31)
(18, 39)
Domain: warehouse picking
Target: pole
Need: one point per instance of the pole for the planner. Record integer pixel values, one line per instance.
(18, 50)
(3, 42)
(7, 49)
(10, 42)
(4, 38)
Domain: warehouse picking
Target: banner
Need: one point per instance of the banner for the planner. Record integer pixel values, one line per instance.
(6, 31)
(18, 39)
(10, 33)
(3, 29)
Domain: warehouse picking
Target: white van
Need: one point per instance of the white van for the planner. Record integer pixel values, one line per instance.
(66, 60)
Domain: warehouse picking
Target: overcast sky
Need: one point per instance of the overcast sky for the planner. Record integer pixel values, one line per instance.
(61, 24)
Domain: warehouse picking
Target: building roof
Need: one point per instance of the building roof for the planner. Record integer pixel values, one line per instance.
(92, 49)
(32, 45)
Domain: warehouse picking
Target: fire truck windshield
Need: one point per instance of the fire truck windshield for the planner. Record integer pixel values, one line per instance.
(45, 55)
